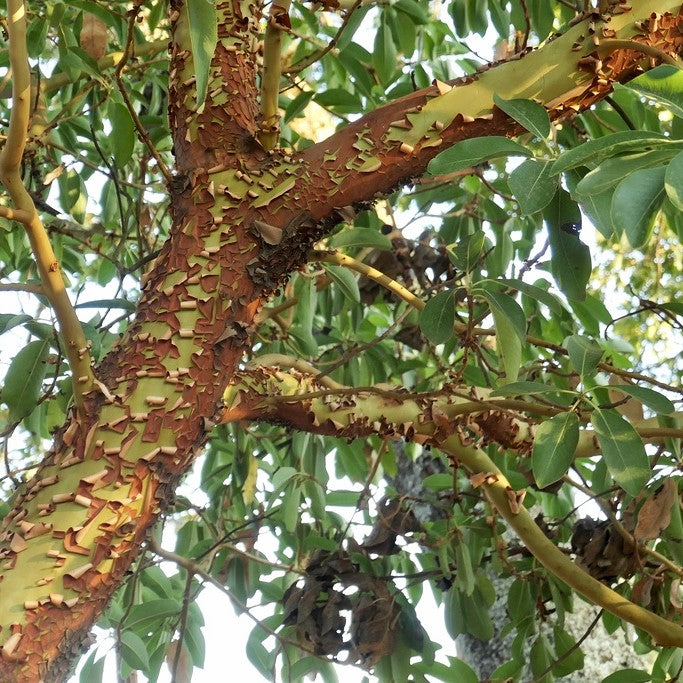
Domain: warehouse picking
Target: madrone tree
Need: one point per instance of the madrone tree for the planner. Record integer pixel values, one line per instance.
(338, 246)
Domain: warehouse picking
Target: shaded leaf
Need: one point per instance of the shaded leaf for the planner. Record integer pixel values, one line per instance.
(133, 651)
(570, 257)
(652, 399)
(594, 151)
(360, 237)
(438, 317)
(24, 379)
(673, 181)
(584, 354)
(622, 449)
(471, 152)
(533, 185)
(345, 280)
(201, 19)
(636, 201)
(554, 444)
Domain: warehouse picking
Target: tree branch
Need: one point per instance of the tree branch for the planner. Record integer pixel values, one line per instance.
(446, 431)
(270, 75)
(75, 344)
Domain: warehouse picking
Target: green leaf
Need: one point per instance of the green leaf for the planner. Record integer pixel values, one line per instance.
(628, 676)
(345, 280)
(360, 237)
(636, 201)
(142, 617)
(468, 614)
(664, 83)
(584, 354)
(471, 152)
(652, 399)
(297, 105)
(263, 660)
(384, 52)
(92, 669)
(201, 19)
(464, 576)
(673, 181)
(520, 603)
(566, 645)
(541, 657)
(533, 185)
(438, 317)
(535, 292)
(10, 320)
(594, 151)
(133, 651)
(108, 303)
(510, 323)
(123, 135)
(24, 379)
(531, 115)
(622, 450)
(522, 388)
(554, 444)
(598, 208)
(612, 171)
(413, 9)
(570, 257)
(467, 251)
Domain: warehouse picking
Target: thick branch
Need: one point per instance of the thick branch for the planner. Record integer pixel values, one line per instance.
(439, 422)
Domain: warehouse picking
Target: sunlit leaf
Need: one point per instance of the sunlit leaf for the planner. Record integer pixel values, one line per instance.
(528, 113)
(201, 18)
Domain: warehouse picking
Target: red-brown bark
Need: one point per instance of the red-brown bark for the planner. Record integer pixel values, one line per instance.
(161, 387)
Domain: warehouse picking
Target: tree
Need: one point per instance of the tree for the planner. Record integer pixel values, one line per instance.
(444, 387)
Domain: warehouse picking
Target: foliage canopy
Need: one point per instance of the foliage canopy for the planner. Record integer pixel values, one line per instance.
(472, 345)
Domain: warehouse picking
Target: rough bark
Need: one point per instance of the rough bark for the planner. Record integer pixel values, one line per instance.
(242, 220)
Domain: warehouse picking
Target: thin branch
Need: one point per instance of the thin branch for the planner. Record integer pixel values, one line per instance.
(506, 500)
(272, 69)
(28, 287)
(19, 215)
(337, 258)
(612, 44)
(316, 56)
(142, 131)
(75, 344)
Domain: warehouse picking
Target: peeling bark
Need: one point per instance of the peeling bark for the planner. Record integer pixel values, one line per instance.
(77, 526)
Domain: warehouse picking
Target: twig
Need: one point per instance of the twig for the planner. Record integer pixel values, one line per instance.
(316, 56)
(142, 131)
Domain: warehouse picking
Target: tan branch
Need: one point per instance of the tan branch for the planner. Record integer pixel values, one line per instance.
(21, 287)
(270, 80)
(75, 343)
(501, 494)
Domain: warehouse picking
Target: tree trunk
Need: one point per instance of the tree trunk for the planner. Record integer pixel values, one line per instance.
(243, 218)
